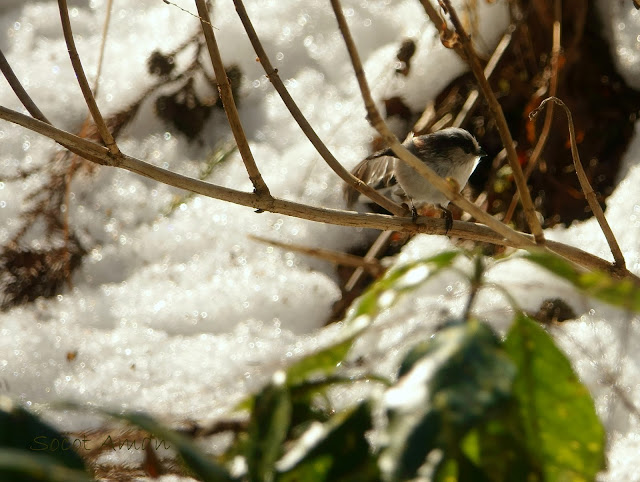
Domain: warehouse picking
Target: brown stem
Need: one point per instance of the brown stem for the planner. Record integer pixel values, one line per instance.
(472, 231)
(372, 266)
(16, 86)
(33, 109)
(381, 243)
(441, 26)
(474, 95)
(501, 123)
(429, 174)
(103, 43)
(106, 136)
(322, 149)
(586, 185)
(546, 126)
(226, 95)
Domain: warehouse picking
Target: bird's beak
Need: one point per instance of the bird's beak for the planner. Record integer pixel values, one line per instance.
(481, 153)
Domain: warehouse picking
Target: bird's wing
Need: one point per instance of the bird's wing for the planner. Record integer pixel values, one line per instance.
(377, 171)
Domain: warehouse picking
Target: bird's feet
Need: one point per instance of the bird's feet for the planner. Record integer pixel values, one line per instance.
(448, 219)
(414, 213)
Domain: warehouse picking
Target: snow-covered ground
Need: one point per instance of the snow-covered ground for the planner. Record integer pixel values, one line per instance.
(181, 315)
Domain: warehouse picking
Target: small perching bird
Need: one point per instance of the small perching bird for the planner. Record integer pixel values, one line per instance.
(451, 153)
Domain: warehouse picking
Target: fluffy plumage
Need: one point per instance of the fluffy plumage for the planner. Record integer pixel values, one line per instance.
(451, 152)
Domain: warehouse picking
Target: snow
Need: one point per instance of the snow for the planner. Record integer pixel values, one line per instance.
(182, 315)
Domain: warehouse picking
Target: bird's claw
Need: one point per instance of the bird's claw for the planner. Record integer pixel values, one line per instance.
(414, 213)
(448, 219)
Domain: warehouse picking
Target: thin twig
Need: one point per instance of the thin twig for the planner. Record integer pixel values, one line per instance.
(33, 109)
(441, 25)
(546, 126)
(429, 174)
(472, 231)
(475, 284)
(586, 186)
(296, 113)
(373, 267)
(226, 95)
(501, 123)
(17, 88)
(381, 242)
(106, 136)
(66, 229)
(103, 43)
(474, 95)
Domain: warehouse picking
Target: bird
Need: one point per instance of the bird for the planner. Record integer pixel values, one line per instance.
(452, 153)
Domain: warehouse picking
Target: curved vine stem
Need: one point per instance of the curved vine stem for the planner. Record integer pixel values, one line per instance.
(585, 184)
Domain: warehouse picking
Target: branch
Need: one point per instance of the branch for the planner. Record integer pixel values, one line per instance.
(16, 86)
(33, 109)
(472, 231)
(106, 136)
(380, 244)
(546, 126)
(226, 95)
(103, 43)
(429, 174)
(322, 149)
(441, 25)
(372, 266)
(501, 122)
(586, 186)
(474, 95)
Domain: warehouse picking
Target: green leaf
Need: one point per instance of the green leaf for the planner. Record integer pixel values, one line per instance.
(336, 450)
(622, 293)
(31, 466)
(268, 427)
(321, 363)
(380, 295)
(475, 377)
(459, 468)
(497, 448)
(465, 376)
(411, 438)
(20, 430)
(385, 292)
(425, 348)
(556, 412)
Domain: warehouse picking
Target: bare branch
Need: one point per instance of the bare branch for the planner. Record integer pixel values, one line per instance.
(474, 95)
(103, 43)
(106, 136)
(546, 126)
(472, 231)
(381, 243)
(226, 95)
(586, 186)
(441, 25)
(501, 122)
(322, 149)
(372, 266)
(16, 86)
(378, 123)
